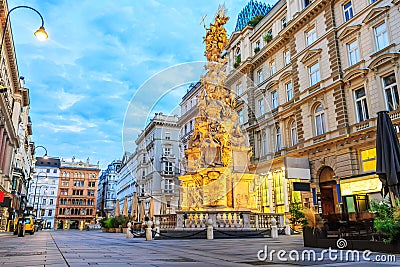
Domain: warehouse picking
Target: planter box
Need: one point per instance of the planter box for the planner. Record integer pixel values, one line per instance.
(317, 239)
(124, 229)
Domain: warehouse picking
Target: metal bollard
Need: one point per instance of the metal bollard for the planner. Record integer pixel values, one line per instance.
(210, 232)
(157, 228)
(149, 235)
(287, 228)
(274, 229)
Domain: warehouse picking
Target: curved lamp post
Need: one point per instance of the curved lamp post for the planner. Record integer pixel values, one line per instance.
(45, 156)
(40, 34)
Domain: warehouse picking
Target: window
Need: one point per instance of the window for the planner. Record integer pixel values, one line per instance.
(55, 171)
(64, 192)
(168, 168)
(64, 182)
(274, 99)
(51, 201)
(264, 144)
(314, 74)
(239, 90)
(42, 212)
(286, 56)
(391, 92)
(240, 116)
(283, 21)
(368, 160)
(348, 11)
(259, 76)
(260, 107)
(168, 184)
(361, 105)
(311, 36)
(289, 91)
(381, 36)
(319, 117)
(90, 193)
(50, 213)
(92, 184)
(43, 201)
(48, 170)
(79, 183)
(278, 139)
(293, 133)
(352, 49)
(258, 45)
(168, 136)
(306, 3)
(272, 68)
(167, 151)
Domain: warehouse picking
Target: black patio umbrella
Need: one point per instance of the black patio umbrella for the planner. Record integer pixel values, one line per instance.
(387, 155)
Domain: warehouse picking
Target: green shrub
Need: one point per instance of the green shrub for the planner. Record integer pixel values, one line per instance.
(387, 220)
(256, 19)
(297, 217)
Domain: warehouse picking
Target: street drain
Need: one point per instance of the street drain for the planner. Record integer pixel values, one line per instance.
(24, 254)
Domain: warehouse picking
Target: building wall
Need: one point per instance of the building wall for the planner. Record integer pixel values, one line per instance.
(154, 182)
(126, 181)
(346, 137)
(14, 99)
(77, 192)
(43, 190)
(107, 194)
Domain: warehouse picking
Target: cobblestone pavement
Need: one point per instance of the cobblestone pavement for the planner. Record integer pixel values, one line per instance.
(94, 248)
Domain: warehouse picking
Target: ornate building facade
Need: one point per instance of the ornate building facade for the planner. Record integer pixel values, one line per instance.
(126, 183)
(107, 189)
(310, 77)
(77, 192)
(157, 165)
(16, 149)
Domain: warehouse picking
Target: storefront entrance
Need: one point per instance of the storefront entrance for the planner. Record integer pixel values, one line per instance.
(328, 193)
(327, 201)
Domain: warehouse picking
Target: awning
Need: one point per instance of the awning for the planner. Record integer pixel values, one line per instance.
(297, 168)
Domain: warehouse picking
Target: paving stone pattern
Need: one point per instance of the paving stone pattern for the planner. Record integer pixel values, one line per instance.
(95, 248)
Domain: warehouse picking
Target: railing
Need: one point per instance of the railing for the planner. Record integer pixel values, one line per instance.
(263, 220)
(195, 220)
(167, 221)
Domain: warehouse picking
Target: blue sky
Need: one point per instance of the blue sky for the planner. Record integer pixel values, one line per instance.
(99, 53)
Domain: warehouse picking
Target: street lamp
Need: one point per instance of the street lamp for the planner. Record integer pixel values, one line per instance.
(40, 34)
(45, 156)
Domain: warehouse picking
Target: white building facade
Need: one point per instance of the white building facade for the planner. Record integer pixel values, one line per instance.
(126, 180)
(43, 190)
(158, 165)
(107, 192)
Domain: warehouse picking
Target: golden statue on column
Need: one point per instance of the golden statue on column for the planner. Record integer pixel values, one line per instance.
(217, 155)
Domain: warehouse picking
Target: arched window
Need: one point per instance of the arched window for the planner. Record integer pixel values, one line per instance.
(278, 139)
(293, 133)
(319, 117)
(238, 52)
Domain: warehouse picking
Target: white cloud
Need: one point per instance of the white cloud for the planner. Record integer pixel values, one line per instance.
(67, 100)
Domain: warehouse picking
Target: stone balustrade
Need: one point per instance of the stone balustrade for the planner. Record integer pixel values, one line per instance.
(195, 220)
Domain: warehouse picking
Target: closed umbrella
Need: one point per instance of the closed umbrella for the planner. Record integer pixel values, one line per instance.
(125, 207)
(388, 156)
(151, 209)
(116, 211)
(134, 207)
(141, 213)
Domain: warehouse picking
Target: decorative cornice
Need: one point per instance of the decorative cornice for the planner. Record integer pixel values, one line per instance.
(311, 55)
(349, 30)
(375, 13)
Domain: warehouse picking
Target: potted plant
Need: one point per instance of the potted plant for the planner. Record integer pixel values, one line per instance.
(312, 229)
(238, 59)
(297, 217)
(256, 50)
(268, 37)
(255, 20)
(387, 220)
(106, 224)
